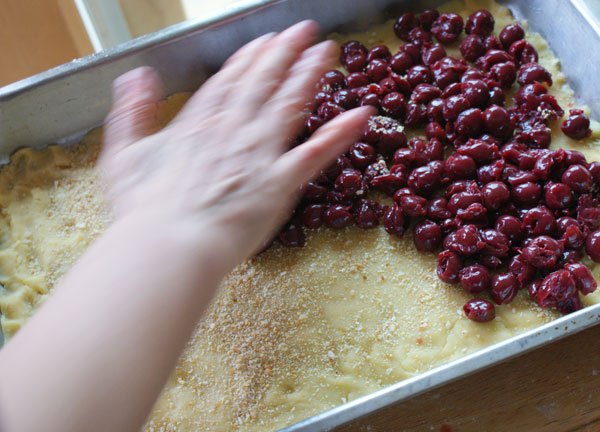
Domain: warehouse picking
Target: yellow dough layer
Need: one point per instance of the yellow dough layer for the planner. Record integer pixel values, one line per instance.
(292, 332)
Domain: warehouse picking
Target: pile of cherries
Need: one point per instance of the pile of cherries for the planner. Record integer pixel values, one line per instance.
(507, 212)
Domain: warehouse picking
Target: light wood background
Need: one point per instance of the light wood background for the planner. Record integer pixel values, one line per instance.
(146, 16)
(36, 35)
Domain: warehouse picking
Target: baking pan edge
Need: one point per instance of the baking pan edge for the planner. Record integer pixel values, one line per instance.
(441, 375)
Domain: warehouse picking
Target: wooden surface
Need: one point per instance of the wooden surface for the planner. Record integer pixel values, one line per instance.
(146, 16)
(554, 388)
(36, 35)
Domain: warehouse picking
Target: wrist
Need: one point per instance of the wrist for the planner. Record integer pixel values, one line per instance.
(198, 247)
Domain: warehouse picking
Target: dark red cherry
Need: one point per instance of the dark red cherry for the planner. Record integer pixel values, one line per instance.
(497, 122)
(469, 123)
(480, 23)
(475, 278)
(377, 69)
(479, 310)
(539, 221)
(556, 287)
(527, 194)
(332, 81)
(337, 216)
(366, 214)
(592, 245)
(427, 236)
(533, 72)
(356, 79)
(393, 221)
(447, 28)
(438, 209)
(424, 93)
(510, 34)
(476, 92)
(460, 167)
(379, 52)
(511, 227)
(394, 104)
(524, 271)
(427, 18)
(292, 235)
(578, 178)
(542, 252)
(523, 52)
(453, 106)
(361, 155)
(472, 47)
(432, 54)
(504, 287)
(495, 195)
(412, 205)
(312, 215)
(419, 74)
(557, 195)
(404, 24)
(577, 126)
(584, 279)
(449, 266)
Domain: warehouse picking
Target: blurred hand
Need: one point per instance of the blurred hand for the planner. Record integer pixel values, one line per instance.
(222, 164)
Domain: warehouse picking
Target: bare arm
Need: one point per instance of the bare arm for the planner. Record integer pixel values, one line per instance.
(190, 202)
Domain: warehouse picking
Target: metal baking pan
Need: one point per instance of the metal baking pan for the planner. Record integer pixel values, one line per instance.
(61, 104)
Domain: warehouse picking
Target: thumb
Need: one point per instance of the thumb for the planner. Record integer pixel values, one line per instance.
(135, 108)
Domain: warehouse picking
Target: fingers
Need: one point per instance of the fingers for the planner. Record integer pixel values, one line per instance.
(302, 163)
(209, 98)
(286, 105)
(270, 68)
(134, 111)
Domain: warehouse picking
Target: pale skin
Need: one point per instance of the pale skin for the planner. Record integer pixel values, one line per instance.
(190, 202)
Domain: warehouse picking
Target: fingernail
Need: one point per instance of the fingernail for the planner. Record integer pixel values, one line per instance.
(367, 109)
(322, 47)
(142, 77)
(303, 26)
(267, 36)
(261, 39)
(122, 84)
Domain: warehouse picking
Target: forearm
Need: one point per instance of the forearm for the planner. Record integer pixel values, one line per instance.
(128, 307)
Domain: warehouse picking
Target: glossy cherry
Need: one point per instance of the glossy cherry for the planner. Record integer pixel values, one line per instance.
(577, 125)
(427, 236)
(292, 235)
(337, 216)
(479, 310)
(427, 18)
(449, 266)
(472, 47)
(584, 279)
(404, 24)
(504, 287)
(475, 278)
(480, 23)
(510, 34)
(592, 245)
(447, 28)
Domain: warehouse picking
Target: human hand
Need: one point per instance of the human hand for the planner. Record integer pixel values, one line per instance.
(222, 164)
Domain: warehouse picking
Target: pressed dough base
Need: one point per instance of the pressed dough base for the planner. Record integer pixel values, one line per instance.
(292, 332)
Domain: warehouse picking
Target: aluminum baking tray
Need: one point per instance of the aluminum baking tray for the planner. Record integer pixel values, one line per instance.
(61, 104)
